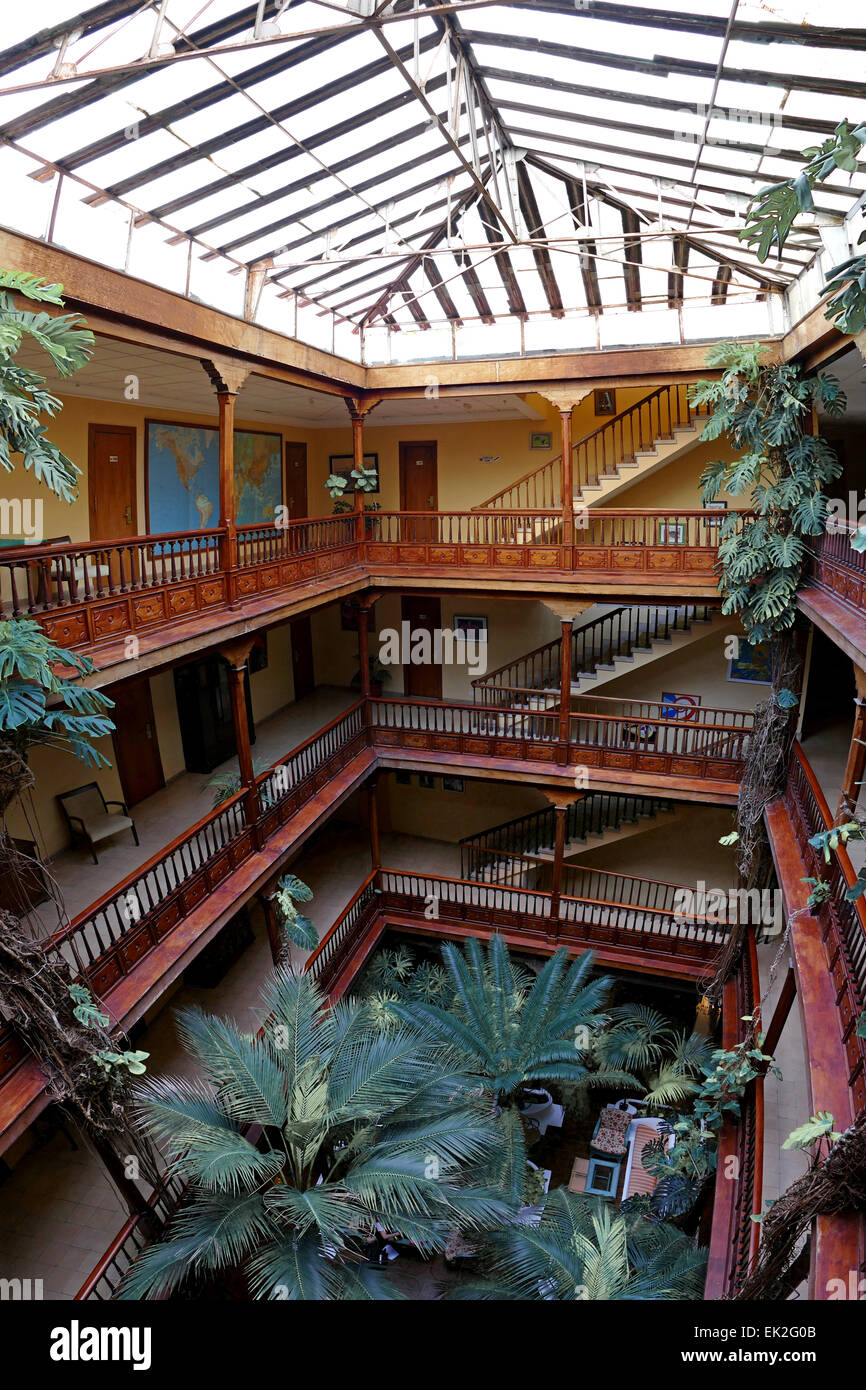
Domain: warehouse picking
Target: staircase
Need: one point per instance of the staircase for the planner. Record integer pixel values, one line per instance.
(602, 649)
(629, 446)
(513, 851)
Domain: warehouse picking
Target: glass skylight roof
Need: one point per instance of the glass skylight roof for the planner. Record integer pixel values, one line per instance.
(430, 165)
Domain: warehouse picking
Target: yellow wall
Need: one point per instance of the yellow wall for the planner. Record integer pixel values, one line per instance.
(701, 668)
(464, 481)
(435, 814)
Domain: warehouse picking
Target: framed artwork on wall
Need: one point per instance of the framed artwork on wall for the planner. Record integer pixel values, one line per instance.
(426, 780)
(670, 533)
(258, 659)
(679, 706)
(453, 784)
(471, 627)
(541, 439)
(181, 470)
(342, 465)
(604, 401)
(751, 664)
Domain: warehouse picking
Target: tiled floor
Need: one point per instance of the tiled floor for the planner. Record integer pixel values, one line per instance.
(177, 806)
(58, 1210)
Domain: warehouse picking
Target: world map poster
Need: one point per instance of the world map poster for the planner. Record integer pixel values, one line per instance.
(183, 477)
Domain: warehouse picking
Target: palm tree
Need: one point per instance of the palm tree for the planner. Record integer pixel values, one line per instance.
(583, 1249)
(509, 1030)
(296, 1142)
(668, 1061)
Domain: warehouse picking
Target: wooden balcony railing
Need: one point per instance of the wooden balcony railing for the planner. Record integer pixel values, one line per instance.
(110, 938)
(739, 1175)
(525, 915)
(842, 923)
(138, 1231)
(837, 568)
(93, 593)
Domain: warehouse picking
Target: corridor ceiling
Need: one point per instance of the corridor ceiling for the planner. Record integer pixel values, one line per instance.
(416, 163)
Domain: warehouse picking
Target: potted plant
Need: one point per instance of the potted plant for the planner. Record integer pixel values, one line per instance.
(378, 675)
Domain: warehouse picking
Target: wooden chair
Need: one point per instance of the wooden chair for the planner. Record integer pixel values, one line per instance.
(89, 818)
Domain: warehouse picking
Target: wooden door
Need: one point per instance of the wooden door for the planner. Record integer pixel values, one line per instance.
(136, 746)
(111, 482)
(302, 658)
(419, 488)
(422, 682)
(296, 480)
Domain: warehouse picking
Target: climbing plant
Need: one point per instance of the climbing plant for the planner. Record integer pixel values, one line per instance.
(773, 209)
(44, 703)
(780, 468)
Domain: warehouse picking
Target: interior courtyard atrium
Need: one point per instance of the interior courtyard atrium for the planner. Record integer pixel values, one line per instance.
(432, 653)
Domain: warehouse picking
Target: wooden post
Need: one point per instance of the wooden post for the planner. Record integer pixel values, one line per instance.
(565, 401)
(856, 764)
(358, 407)
(560, 813)
(236, 655)
(787, 995)
(272, 924)
(371, 790)
(565, 684)
(364, 650)
(567, 477)
(227, 378)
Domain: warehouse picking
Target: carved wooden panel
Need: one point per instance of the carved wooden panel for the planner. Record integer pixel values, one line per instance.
(543, 559)
(410, 555)
(110, 619)
(246, 583)
(68, 630)
(590, 559)
(476, 555)
(446, 745)
(167, 919)
(212, 591)
(627, 558)
(508, 557)
(133, 947)
(666, 560)
(148, 608)
(270, 577)
(181, 601)
(443, 554)
(106, 974)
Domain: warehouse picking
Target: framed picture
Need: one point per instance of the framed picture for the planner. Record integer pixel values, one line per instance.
(453, 784)
(604, 401)
(426, 780)
(678, 706)
(402, 778)
(541, 439)
(471, 627)
(342, 464)
(715, 506)
(670, 533)
(751, 664)
(181, 473)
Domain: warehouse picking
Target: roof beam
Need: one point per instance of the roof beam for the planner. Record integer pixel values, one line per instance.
(631, 259)
(663, 66)
(675, 276)
(444, 131)
(807, 35)
(720, 284)
(535, 226)
(37, 45)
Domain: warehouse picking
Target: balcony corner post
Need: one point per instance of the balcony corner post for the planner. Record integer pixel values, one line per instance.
(236, 655)
(227, 379)
(359, 407)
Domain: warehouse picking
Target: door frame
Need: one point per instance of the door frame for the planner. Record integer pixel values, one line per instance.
(129, 684)
(93, 429)
(296, 444)
(402, 446)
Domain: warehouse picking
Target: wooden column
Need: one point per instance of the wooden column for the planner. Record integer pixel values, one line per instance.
(787, 995)
(236, 655)
(567, 478)
(359, 407)
(856, 764)
(565, 401)
(371, 793)
(566, 613)
(364, 650)
(227, 378)
(560, 813)
(272, 924)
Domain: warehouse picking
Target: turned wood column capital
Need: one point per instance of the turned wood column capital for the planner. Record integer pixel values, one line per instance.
(227, 377)
(565, 398)
(237, 652)
(567, 610)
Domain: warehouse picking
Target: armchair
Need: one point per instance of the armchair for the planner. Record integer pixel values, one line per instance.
(89, 819)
